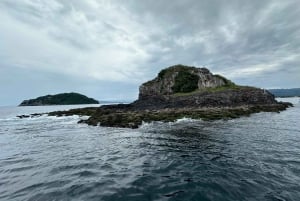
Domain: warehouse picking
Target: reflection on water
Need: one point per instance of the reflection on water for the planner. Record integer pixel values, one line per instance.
(48, 158)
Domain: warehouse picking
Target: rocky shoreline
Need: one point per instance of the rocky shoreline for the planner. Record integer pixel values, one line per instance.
(178, 92)
(119, 116)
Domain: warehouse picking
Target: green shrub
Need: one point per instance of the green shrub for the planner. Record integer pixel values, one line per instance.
(162, 73)
(185, 82)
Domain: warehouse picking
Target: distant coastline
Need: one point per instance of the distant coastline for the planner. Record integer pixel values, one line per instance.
(285, 93)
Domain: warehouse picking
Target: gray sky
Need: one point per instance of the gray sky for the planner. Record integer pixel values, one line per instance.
(106, 49)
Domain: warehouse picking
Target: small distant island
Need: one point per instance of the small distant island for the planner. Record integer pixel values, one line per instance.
(60, 99)
(294, 92)
(182, 91)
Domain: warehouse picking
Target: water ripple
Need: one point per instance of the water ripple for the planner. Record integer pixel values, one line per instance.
(251, 158)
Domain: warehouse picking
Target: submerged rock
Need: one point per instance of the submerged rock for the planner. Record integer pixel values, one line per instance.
(182, 91)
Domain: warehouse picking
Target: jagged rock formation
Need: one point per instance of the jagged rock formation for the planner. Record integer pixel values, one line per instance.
(60, 99)
(181, 91)
(183, 79)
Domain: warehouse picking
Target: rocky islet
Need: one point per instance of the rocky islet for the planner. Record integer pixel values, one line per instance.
(182, 91)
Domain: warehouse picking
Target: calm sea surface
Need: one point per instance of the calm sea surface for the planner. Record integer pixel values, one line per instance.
(54, 158)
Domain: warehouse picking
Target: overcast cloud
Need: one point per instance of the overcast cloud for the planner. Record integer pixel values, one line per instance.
(106, 49)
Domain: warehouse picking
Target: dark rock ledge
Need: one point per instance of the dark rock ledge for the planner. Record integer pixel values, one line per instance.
(181, 91)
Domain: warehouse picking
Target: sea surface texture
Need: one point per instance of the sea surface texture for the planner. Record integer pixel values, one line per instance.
(54, 158)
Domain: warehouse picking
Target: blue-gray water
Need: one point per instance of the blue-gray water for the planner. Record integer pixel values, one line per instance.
(49, 158)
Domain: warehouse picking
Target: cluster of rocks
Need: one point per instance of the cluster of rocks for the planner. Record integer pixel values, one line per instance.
(30, 115)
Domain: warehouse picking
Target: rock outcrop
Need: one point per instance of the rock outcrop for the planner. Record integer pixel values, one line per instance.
(181, 91)
(174, 87)
(60, 99)
(181, 78)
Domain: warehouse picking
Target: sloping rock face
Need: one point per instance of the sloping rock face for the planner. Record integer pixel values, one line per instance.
(173, 79)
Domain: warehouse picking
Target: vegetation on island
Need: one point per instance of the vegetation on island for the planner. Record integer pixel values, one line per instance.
(60, 99)
(168, 71)
(185, 82)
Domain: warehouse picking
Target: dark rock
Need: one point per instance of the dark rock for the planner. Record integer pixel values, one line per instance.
(23, 116)
(30, 115)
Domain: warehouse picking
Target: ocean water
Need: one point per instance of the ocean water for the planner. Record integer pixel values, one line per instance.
(54, 158)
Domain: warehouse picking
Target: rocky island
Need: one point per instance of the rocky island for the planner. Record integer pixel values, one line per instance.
(60, 99)
(182, 91)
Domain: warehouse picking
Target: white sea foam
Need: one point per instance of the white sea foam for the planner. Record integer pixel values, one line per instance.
(185, 119)
(9, 119)
(147, 125)
(155, 124)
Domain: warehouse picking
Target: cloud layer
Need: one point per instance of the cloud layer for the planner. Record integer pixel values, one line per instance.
(128, 42)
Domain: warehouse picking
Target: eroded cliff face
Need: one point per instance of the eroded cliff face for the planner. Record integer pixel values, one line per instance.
(180, 78)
